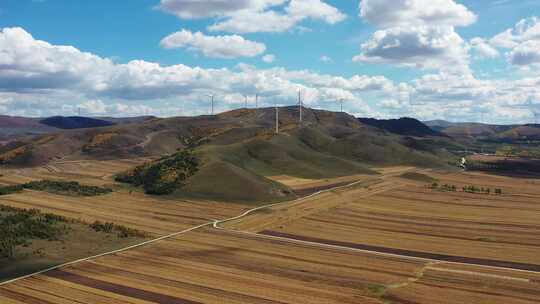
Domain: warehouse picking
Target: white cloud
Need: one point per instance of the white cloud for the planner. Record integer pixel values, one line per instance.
(416, 33)
(214, 46)
(98, 107)
(483, 48)
(422, 47)
(527, 53)
(93, 107)
(523, 41)
(29, 64)
(315, 9)
(94, 82)
(250, 16)
(325, 58)
(392, 13)
(104, 87)
(269, 58)
(195, 9)
(524, 30)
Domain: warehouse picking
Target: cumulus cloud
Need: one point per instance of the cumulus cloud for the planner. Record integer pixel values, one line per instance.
(269, 58)
(233, 46)
(391, 13)
(94, 82)
(523, 42)
(106, 88)
(30, 64)
(316, 9)
(189, 9)
(483, 48)
(527, 53)
(416, 33)
(525, 30)
(250, 16)
(98, 107)
(422, 47)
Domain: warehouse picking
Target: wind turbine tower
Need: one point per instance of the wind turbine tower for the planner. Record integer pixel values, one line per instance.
(300, 105)
(536, 114)
(341, 102)
(212, 102)
(532, 107)
(277, 119)
(256, 101)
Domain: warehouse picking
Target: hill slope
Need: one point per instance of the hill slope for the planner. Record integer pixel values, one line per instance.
(401, 126)
(487, 132)
(239, 149)
(74, 122)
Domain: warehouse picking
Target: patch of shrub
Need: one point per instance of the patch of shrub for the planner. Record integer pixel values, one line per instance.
(445, 187)
(57, 187)
(163, 176)
(468, 189)
(19, 226)
(121, 231)
(66, 188)
(5, 190)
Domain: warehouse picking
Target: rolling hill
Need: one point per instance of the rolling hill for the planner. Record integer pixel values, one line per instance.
(489, 132)
(74, 122)
(15, 127)
(402, 126)
(240, 150)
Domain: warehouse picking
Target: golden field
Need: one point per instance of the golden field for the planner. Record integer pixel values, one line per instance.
(385, 239)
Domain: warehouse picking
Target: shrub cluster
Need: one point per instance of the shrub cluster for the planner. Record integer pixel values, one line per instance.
(57, 187)
(19, 226)
(468, 189)
(163, 176)
(121, 231)
(445, 187)
(4, 190)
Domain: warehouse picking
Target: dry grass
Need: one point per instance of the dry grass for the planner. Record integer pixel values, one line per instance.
(414, 217)
(123, 207)
(216, 266)
(220, 267)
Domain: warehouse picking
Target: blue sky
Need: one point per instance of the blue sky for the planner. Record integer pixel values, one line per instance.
(427, 59)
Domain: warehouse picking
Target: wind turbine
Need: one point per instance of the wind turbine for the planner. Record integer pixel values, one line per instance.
(246, 101)
(536, 114)
(300, 105)
(212, 95)
(277, 118)
(532, 107)
(257, 101)
(341, 103)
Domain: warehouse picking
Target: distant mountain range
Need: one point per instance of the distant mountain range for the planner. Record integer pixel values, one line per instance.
(15, 126)
(402, 126)
(491, 132)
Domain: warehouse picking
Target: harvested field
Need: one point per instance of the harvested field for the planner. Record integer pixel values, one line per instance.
(449, 284)
(415, 218)
(373, 242)
(91, 172)
(132, 209)
(304, 186)
(135, 210)
(216, 266)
